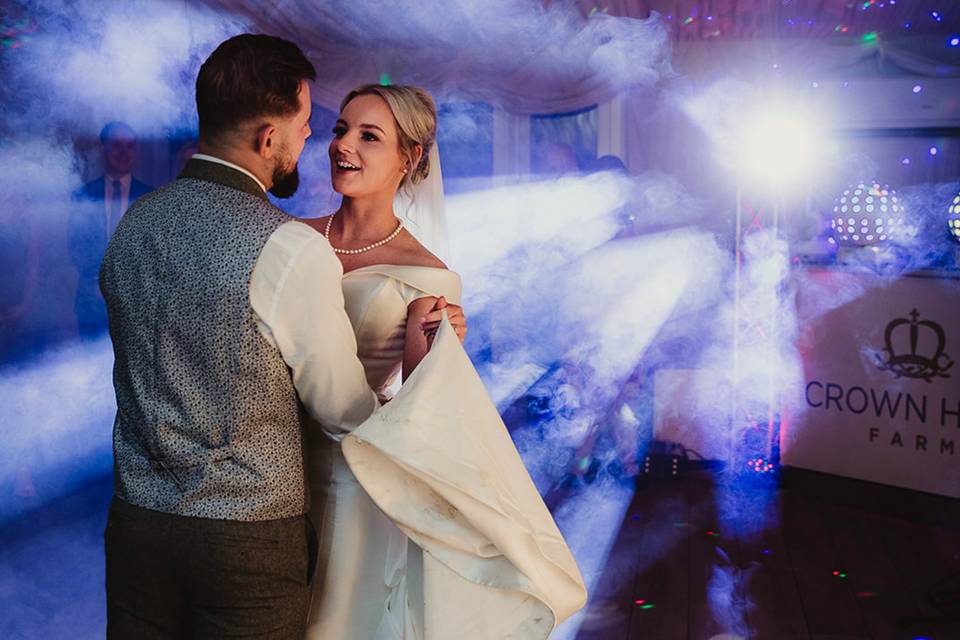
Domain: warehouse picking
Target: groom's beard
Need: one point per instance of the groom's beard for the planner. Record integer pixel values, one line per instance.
(285, 181)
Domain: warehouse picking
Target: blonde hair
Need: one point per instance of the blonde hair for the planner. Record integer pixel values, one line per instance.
(416, 116)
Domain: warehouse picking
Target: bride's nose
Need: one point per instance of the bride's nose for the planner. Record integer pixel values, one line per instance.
(344, 146)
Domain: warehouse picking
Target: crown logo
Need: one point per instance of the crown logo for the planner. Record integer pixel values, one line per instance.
(909, 361)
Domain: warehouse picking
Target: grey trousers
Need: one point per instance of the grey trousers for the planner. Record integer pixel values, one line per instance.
(172, 576)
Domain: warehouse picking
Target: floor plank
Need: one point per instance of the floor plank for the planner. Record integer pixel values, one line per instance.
(871, 573)
(776, 581)
(718, 602)
(611, 603)
(777, 612)
(828, 601)
(920, 564)
(660, 594)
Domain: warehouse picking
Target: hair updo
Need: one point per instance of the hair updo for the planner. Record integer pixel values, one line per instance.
(416, 116)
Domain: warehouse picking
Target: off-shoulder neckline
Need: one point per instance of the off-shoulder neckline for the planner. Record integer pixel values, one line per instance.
(400, 266)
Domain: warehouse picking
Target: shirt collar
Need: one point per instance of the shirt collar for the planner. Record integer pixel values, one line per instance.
(123, 180)
(208, 158)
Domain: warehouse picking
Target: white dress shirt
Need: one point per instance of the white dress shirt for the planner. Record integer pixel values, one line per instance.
(296, 293)
(297, 299)
(113, 217)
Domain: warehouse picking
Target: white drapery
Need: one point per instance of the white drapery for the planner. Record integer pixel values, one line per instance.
(721, 20)
(517, 55)
(553, 57)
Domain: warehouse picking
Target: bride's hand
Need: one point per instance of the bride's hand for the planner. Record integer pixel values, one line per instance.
(431, 322)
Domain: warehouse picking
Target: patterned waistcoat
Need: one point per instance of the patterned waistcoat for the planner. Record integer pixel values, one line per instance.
(208, 422)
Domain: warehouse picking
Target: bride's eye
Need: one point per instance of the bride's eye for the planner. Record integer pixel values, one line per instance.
(339, 131)
(369, 137)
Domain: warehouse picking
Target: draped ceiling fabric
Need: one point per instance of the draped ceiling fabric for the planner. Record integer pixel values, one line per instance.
(740, 36)
(518, 54)
(557, 56)
(691, 20)
(554, 56)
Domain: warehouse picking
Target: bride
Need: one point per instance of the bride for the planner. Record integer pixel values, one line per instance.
(430, 527)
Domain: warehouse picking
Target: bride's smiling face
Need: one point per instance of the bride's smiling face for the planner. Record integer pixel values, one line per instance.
(365, 156)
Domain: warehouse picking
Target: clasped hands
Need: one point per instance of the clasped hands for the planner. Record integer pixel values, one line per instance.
(431, 322)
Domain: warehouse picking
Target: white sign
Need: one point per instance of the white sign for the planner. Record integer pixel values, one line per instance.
(881, 393)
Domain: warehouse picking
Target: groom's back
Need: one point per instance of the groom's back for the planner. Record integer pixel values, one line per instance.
(207, 417)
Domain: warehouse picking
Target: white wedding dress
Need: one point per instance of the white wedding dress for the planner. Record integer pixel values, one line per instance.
(430, 527)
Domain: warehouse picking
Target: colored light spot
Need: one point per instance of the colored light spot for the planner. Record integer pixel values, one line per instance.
(954, 41)
(936, 16)
(688, 20)
(865, 594)
(583, 464)
(647, 606)
(713, 534)
(815, 85)
(933, 150)
(639, 602)
(870, 37)
(905, 161)
(767, 552)
(385, 79)
(917, 88)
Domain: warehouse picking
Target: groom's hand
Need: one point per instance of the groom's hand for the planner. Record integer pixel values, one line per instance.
(431, 322)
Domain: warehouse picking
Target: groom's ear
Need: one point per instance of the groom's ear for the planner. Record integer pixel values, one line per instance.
(267, 140)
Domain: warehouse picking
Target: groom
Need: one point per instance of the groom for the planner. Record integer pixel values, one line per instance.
(227, 323)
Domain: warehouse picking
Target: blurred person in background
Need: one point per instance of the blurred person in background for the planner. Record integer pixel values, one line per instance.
(99, 206)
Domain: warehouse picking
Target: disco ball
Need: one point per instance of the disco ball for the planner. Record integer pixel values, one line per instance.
(867, 213)
(953, 218)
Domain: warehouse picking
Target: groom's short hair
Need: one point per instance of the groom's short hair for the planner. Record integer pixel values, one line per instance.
(249, 77)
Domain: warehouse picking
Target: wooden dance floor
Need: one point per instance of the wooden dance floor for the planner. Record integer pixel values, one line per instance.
(848, 560)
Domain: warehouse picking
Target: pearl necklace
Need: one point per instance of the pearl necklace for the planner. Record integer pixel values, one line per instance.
(326, 234)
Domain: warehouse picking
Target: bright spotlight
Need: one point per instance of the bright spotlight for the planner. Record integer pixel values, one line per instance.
(778, 147)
